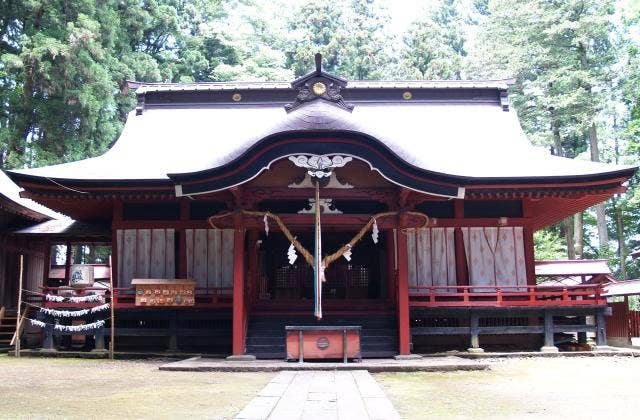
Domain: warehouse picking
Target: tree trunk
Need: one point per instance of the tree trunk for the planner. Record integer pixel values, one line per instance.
(555, 129)
(601, 220)
(603, 234)
(567, 229)
(621, 248)
(618, 204)
(567, 225)
(577, 235)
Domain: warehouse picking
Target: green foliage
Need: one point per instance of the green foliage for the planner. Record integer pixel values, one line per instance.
(316, 27)
(257, 49)
(434, 46)
(64, 66)
(549, 245)
(350, 36)
(562, 56)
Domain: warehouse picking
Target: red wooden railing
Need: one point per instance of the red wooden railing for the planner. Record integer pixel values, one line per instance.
(505, 296)
(205, 297)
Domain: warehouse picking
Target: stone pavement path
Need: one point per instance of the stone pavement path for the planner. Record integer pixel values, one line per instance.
(322, 395)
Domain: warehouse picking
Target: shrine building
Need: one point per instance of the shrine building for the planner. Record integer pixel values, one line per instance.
(433, 185)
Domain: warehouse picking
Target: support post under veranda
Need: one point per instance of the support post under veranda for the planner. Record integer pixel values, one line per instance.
(112, 333)
(17, 354)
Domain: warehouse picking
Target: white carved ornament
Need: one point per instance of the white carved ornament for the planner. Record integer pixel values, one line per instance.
(320, 166)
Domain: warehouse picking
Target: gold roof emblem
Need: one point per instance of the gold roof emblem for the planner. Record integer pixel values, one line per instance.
(319, 88)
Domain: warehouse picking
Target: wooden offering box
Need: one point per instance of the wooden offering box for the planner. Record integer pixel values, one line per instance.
(323, 342)
(164, 292)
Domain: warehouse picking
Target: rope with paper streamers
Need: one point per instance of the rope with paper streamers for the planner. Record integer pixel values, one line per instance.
(56, 313)
(305, 253)
(69, 328)
(73, 299)
(67, 299)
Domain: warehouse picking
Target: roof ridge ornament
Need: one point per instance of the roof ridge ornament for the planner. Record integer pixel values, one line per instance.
(319, 85)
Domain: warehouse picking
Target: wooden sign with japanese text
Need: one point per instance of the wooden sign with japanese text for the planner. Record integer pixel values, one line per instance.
(164, 292)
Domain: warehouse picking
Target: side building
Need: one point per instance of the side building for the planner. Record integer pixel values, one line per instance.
(16, 213)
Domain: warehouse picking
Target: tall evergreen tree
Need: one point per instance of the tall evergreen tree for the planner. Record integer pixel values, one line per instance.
(365, 52)
(350, 36)
(316, 27)
(63, 67)
(562, 55)
(434, 46)
(258, 47)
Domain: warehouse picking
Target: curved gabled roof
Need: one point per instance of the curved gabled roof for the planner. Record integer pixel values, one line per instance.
(460, 137)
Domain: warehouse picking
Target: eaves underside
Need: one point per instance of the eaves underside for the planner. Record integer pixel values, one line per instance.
(106, 188)
(115, 185)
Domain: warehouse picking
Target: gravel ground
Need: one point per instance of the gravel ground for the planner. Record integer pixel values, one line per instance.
(558, 388)
(37, 388)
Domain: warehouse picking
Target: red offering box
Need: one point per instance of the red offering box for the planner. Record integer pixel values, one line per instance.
(319, 342)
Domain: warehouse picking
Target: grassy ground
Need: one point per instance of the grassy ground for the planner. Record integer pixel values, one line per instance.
(83, 389)
(571, 388)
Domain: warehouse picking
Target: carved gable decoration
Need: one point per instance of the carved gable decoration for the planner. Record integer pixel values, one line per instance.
(319, 85)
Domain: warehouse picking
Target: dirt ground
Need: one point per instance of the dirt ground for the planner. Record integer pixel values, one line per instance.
(36, 388)
(554, 388)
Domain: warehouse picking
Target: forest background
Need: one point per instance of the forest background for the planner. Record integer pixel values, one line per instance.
(64, 65)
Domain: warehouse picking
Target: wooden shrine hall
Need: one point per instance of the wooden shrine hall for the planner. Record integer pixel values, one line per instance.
(404, 208)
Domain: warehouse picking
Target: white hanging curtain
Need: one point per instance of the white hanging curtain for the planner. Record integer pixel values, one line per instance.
(495, 256)
(145, 254)
(210, 257)
(431, 257)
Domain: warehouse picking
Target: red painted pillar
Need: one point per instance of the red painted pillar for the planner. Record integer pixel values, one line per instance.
(118, 216)
(390, 248)
(404, 332)
(529, 255)
(253, 279)
(462, 272)
(238, 287)
(185, 215)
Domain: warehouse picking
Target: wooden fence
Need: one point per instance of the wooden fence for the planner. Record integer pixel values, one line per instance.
(634, 323)
(623, 323)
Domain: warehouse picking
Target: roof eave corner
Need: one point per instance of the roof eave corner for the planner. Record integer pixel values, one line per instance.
(504, 94)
